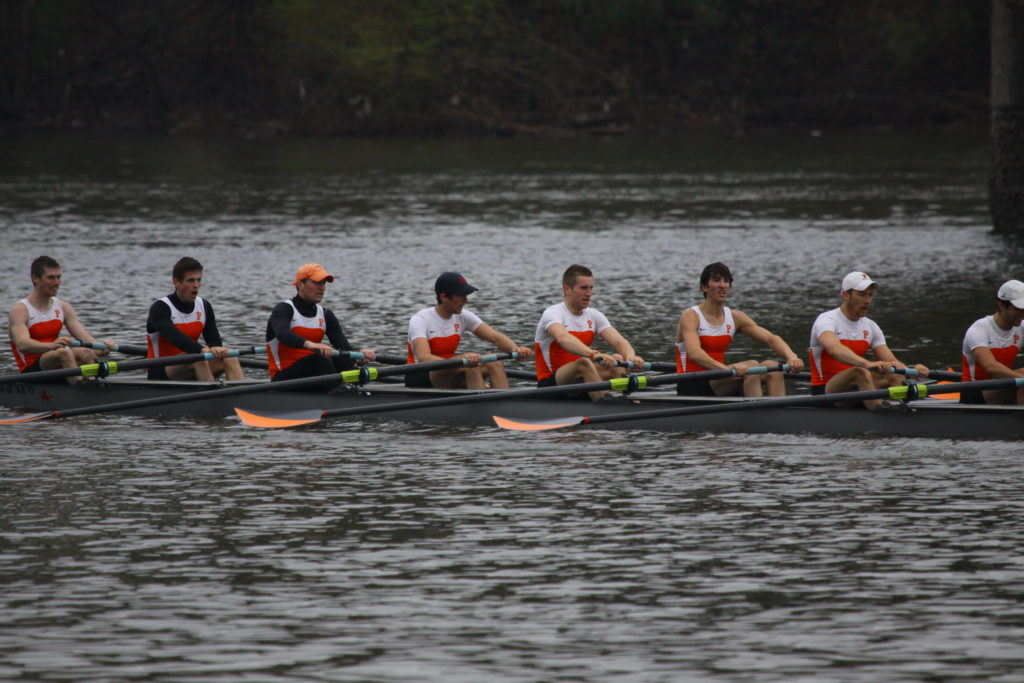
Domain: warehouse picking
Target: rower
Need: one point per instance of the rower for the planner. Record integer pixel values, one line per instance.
(566, 332)
(840, 340)
(705, 332)
(435, 333)
(297, 328)
(991, 345)
(35, 323)
(176, 322)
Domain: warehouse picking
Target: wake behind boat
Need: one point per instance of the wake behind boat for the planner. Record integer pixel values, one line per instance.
(927, 418)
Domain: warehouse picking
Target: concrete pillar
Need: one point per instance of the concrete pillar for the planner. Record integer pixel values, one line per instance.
(1006, 186)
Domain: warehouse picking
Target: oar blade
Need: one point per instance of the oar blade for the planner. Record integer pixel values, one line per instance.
(27, 417)
(536, 425)
(278, 420)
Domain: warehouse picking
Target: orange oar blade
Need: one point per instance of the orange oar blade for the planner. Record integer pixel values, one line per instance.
(536, 425)
(279, 420)
(27, 417)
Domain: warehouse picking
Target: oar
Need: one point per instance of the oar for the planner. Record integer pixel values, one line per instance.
(110, 367)
(633, 382)
(940, 375)
(360, 375)
(135, 350)
(126, 349)
(900, 393)
(402, 360)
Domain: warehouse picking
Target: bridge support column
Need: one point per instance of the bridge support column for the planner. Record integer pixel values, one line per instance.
(1006, 186)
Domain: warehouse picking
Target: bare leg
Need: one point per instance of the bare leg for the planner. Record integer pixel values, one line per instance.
(858, 379)
(67, 358)
(584, 370)
(229, 367)
(495, 374)
(199, 371)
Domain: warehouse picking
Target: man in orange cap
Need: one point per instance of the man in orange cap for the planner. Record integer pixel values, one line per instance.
(297, 327)
(175, 324)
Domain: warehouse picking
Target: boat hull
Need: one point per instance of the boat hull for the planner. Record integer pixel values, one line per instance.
(927, 418)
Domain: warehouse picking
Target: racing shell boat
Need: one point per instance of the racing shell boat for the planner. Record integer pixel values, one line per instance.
(928, 417)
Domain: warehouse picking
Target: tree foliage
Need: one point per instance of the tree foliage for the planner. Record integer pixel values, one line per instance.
(505, 66)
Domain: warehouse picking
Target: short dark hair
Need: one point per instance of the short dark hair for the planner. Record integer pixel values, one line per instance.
(185, 265)
(712, 269)
(41, 264)
(574, 271)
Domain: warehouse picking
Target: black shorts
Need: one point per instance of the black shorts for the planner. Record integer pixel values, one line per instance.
(35, 368)
(157, 373)
(312, 365)
(976, 398)
(32, 368)
(418, 380)
(695, 387)
(817, 389)
(550, 382)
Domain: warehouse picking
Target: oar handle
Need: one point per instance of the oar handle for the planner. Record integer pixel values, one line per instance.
(942, 375)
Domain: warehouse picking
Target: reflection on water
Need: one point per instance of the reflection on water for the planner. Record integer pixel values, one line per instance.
(135, 548)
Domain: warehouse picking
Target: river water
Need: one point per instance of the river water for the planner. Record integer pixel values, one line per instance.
(191, 550)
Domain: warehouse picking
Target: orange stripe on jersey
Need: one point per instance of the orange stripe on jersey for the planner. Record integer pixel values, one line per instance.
(1005, 355)
(287, 355)
(192, 330)
(45, 332)
(713, 345)
(558, 355)
(443, 347)
(830, 367)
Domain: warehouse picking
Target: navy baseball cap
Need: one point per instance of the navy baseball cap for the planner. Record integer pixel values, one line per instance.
(453, 283)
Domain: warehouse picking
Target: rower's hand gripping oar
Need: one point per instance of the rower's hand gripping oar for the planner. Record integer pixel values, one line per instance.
(105, 368)
(905, 392)
(360, 375)
(278, 420)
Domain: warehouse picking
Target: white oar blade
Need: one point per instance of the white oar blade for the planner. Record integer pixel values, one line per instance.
(279, 420)
(27, 417)
(536, 425)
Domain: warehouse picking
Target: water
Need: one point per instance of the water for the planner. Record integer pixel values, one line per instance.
(190, 550)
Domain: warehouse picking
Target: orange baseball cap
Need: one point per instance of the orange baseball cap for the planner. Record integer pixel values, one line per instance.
(314, 272)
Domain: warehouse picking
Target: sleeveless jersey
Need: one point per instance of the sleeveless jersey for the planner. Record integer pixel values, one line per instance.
(442, 335)
(1004, 345)
(714, 340)
(549, 353)
(43, 326)
(857, 335)
(190, 324)
(281, 356)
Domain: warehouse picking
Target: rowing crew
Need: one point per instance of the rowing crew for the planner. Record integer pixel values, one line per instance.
(298, 327)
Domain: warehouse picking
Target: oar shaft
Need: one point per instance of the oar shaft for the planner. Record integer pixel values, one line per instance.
(941, 375)
(284, 385)
(897, 393)
(127, 349)
(618, 384)
(105, 368)
(137, 350)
